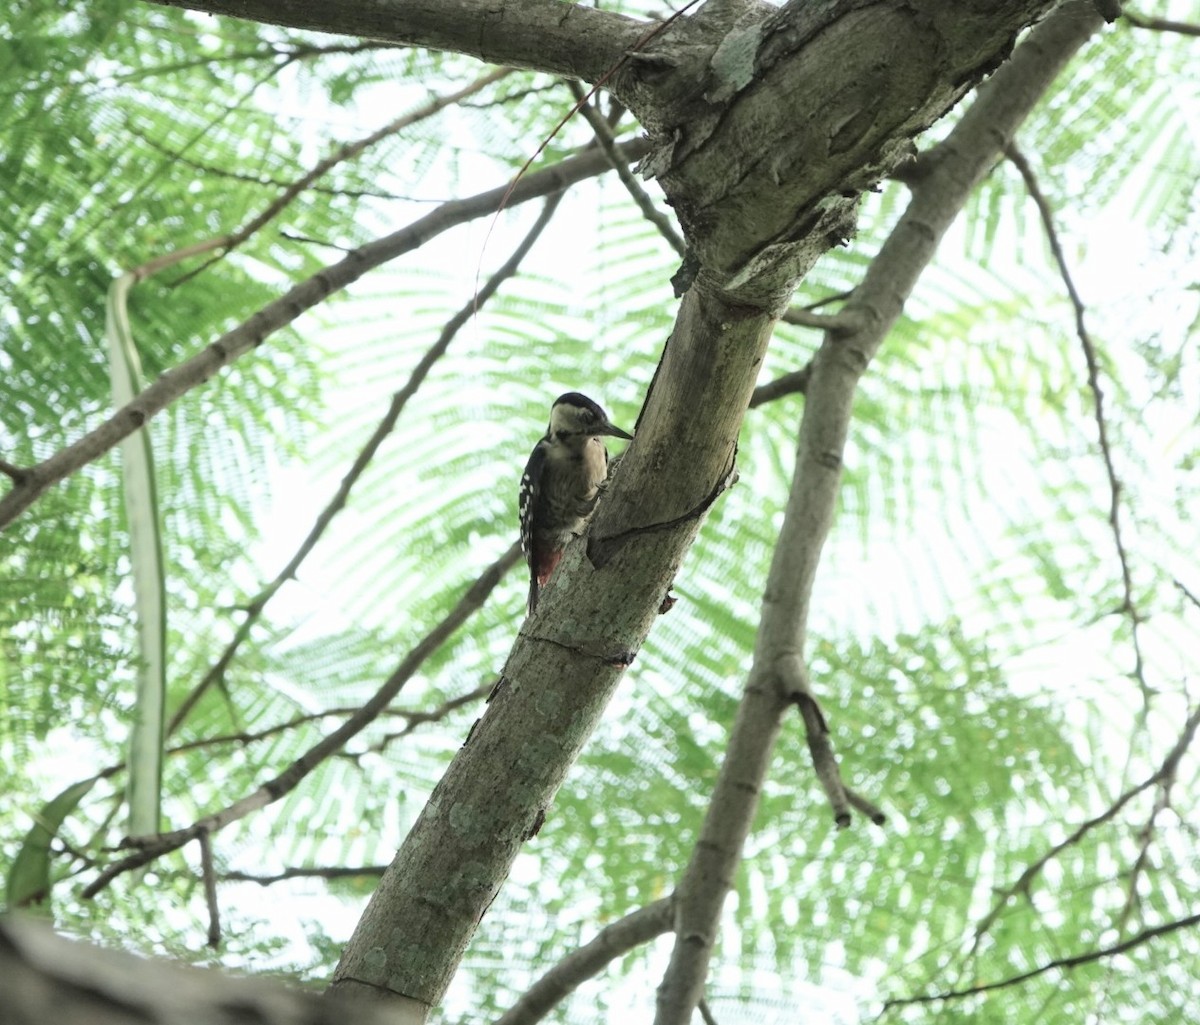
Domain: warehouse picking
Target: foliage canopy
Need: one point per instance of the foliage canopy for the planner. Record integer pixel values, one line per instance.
(989, 675)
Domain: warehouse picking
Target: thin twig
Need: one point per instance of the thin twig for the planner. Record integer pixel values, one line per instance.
(154, 847)
(1184, 28)
(1184, 590)
(316, 872)
(366, 454)
(706, 1012)
(210, 889)
(1164, 771)
(611, 942)
(227, 243)
(1128, 606)
(1062, 962)
(269, 182)
(1162, 801)
(641, 197)
(415, 719)
(287, 55)
(795, 383)
(513, 97)
(639, 44)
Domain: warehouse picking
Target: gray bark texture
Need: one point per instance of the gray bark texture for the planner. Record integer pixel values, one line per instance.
(47, 979)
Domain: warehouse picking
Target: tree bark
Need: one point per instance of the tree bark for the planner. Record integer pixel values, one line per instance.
(547, 35)
(51, 979)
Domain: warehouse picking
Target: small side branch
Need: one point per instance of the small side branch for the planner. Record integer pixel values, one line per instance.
(795, 383)
(847, 320)
(14, 472)
(1128, 607)
(210, 889)
(290, 778)
(1164, 772)
(794, 680)
(613, 941)
(641, 197)
(1063, 962)
(1183, 28)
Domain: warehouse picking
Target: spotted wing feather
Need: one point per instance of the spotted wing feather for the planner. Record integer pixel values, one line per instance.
(526, 505)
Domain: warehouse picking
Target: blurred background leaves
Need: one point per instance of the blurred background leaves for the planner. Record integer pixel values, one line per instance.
(968, 640)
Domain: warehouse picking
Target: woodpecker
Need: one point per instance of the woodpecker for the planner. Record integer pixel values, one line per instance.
(562, 482)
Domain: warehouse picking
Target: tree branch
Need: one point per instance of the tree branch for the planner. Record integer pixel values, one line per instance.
(1128, 607)
(1021, 885)
(611, 942)
(1062, 962)
(252, 332)
(562, 39)
(959, 163)
(1184, 28)
(604, 137)
(330, 872)
(48, 978)
(756, 241)
(154, 847)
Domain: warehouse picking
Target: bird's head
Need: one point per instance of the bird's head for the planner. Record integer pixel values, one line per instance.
(576, 416)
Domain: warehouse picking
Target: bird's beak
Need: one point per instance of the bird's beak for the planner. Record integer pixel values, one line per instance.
(612, 430)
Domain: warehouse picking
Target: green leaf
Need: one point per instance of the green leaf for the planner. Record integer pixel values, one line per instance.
(149, 582)
(28, 882)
